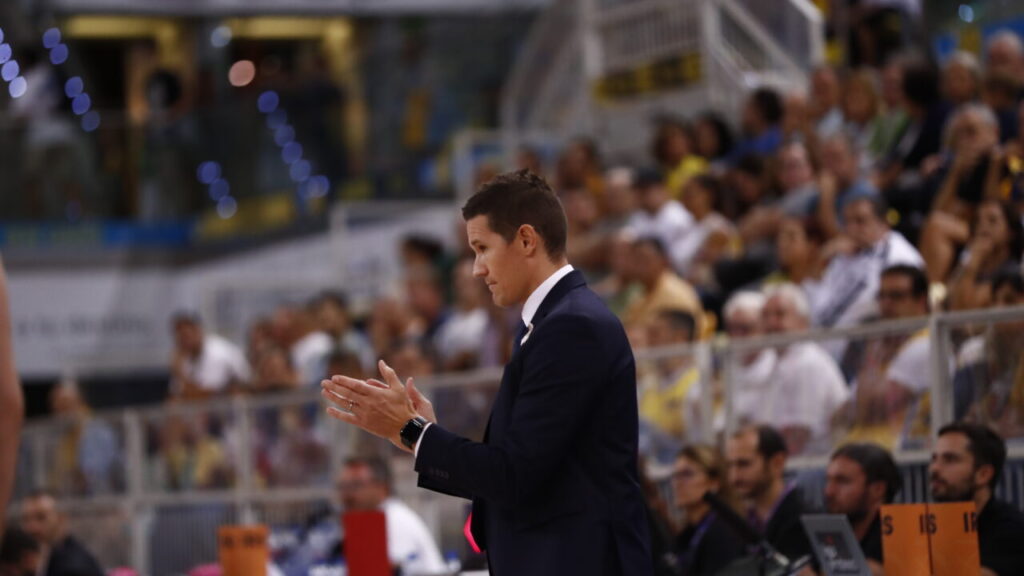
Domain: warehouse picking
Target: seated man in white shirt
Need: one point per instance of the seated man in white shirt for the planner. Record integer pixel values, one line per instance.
(659, 215)
(365, 484)
(847, 293)
(806, 387)
(751, 373)
(204, 364)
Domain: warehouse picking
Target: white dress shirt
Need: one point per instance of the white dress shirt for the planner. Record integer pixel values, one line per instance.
(529, 311)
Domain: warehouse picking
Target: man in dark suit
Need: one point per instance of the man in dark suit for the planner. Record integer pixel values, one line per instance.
(63, 554)
(554, 483)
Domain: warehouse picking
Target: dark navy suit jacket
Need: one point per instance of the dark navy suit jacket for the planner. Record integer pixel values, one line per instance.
(554, 483)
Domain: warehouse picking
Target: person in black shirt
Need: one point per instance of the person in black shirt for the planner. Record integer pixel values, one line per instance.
(860, 478)
(756, 458)
(63, 554)
(19, 554)
(967, 462)
(707, 543)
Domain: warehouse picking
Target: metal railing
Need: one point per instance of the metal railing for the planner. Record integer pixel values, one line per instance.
(160, 480)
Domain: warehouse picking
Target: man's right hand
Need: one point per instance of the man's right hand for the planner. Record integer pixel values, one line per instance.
(420, 404)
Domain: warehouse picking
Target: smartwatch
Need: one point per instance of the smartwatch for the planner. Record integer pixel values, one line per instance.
(412, 431)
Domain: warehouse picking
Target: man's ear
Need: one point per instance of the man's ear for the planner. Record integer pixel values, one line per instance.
(777, 462)
(876, 490)
(983, 475)
(527, 239)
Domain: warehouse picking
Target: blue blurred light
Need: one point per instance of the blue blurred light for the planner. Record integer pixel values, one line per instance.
(18, 87)
(300, 171)
(91, 121)
(10, 70)
(966, 13)
(59, 54)
(208, 172)
(317, 186)
(5, 52)
(1, 34)
(74, 86)
(284, 135)
(291, 153)
(219, 188)
(226, 207)
(51, 38)
(268, 101)
(81, 104)
(220, 37)
(276, 119)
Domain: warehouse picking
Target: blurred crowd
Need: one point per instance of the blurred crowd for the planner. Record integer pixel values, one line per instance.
(878, 193)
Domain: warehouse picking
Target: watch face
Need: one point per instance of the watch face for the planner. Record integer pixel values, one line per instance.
(411, 432)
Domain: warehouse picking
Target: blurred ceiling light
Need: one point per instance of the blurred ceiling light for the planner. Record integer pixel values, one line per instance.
(91, 121)
(81, 104)
(74, 86)
(242, 73)
(10, 70)
(5, 52)
(268, 102)
(226, 207)
(59, 54)
(18, 87)
(208, 172)
(51, 38)
(300, 171)
(220, 37)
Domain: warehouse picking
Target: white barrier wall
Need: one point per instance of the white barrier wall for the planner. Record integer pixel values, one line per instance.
(115, 318)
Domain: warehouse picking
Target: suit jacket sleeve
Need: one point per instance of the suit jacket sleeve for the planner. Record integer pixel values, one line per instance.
(564, 364)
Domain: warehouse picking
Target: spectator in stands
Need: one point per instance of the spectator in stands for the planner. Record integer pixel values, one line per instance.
(751, 373)
(713, 138)
(89, 455)
(967, 463)
(711, 237)
(862, 112)
(298, 456)
(796, 180)
(584, 242)
(1004, 54)
(365, 484)
(894, 119)
(757, 209)
(12, 404)
(390, 321)
(849, 286)
(259, 338)
(961, 78)
(860, 478)
(659, 215)
(762, 133)
(579, 168)
(529, 158)
(334, 318)
(426, 297)
(891, 374)
(204, 364)
(275, 372)
(1002, 93)
(806, 387)
(798, 247)
(901, 177)
(673, 149)
(970, 178)
(662, 288)
(796, 118)
(669, 388)
(310, 344)
(63, 554)
(460, 338)
(997, 243)
(839, 181)
(620, 287)
(620, 200)
(989, 387)
(756, 459)
(706, 544)
(20, 554)
(824, 100)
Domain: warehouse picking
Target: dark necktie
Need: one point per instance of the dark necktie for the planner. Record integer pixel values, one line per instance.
(520, 334)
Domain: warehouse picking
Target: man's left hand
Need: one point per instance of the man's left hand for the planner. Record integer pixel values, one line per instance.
(380, 408)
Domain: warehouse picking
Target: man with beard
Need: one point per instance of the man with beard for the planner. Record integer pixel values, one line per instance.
(967, 462)
(755, 458)
(860, 478)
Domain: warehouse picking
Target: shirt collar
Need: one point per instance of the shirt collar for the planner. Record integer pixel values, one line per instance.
(537, 297)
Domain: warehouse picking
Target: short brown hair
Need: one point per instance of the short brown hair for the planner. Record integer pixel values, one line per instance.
(513, 199)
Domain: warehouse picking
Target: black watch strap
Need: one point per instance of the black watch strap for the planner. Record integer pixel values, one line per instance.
(412, 431)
